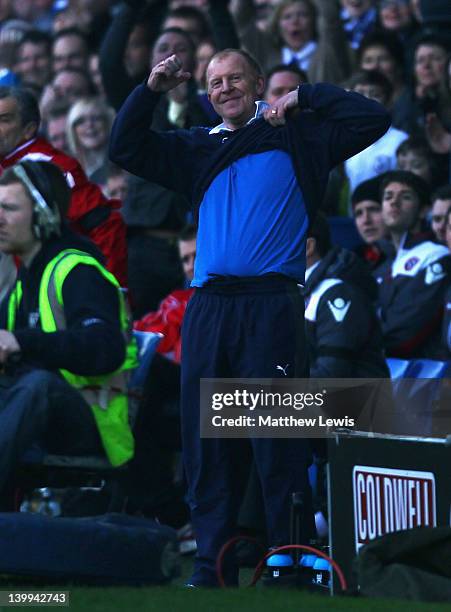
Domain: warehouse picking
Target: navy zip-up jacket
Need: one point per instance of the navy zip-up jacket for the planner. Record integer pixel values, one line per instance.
(341, 125)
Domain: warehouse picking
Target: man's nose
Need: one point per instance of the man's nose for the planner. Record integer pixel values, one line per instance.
(227, 85)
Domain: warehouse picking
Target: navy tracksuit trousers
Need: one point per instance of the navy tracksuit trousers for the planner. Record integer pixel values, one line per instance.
(241, 328)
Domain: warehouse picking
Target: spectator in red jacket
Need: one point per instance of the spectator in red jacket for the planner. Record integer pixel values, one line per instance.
(90, 213)
(169, 317)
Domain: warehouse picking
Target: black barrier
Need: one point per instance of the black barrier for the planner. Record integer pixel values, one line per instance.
(381, 485)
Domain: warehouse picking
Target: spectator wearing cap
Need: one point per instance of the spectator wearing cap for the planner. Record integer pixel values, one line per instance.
(412, 283)
(380, 157)
(367, 213)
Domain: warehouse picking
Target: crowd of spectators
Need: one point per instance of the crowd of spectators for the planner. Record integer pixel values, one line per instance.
(81, 58)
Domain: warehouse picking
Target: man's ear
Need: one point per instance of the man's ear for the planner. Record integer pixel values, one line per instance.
(260, 85)
(29, 131)
(310, 247)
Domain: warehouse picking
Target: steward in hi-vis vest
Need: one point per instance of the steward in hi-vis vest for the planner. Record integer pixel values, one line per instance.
(65, 342)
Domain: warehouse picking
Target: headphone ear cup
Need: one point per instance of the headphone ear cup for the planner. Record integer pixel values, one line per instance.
(41, 230)
(36, 228)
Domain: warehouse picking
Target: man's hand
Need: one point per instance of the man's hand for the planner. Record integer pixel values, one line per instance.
(8, 345)
(167, 74)
(275, 115)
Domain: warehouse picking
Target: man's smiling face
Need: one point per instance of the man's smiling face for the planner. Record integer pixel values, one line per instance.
(233, 88)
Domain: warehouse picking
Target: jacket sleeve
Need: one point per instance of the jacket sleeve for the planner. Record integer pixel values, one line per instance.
(160, 157)
(93, 343)
(344, 324)
(168, 321)
(223, 26)
(346, 122)
(411, 308)
(117, 83)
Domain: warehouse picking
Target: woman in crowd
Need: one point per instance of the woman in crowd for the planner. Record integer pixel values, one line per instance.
(88, 127)
(397, 16)
(293, 38)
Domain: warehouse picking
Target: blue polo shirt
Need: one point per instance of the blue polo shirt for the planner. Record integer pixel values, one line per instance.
(252, 221)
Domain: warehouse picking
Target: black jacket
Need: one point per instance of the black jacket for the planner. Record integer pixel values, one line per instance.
(93, 343)
(412, 287)
(343, 334)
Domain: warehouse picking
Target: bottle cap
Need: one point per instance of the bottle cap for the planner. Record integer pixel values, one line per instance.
(279, 561)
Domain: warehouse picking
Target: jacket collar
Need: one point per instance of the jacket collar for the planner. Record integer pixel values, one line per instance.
(261, 106)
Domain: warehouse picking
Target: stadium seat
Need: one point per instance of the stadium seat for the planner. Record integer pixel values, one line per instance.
(147, 345)
(428, 368)
(417, 397)
(397, 367)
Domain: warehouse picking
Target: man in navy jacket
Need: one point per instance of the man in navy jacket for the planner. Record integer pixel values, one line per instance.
(254, 181)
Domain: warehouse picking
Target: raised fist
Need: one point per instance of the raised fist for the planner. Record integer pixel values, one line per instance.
(167, 74)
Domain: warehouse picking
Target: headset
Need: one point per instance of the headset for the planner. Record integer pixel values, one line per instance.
(46, 214)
